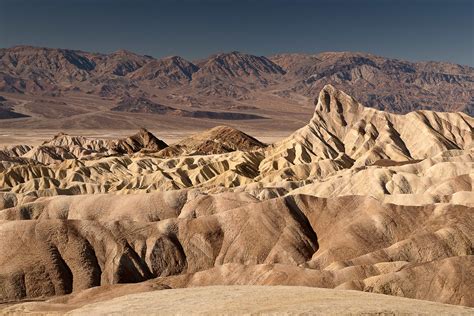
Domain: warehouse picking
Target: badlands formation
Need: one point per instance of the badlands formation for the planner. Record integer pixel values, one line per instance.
(358, 199)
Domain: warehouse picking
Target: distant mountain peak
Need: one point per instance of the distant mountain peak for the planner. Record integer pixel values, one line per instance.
(166, 72)
(228, 74)
(123, 52)
(237, 63)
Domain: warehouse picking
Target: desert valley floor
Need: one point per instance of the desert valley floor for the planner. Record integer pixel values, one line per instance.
(356, 200)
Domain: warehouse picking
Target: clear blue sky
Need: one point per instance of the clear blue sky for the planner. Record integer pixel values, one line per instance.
(407, 29)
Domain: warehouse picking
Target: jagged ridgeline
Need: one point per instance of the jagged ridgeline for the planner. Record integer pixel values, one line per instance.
(357, 199)
(383, 83)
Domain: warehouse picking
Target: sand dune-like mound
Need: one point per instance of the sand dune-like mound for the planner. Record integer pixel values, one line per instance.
(358, 199)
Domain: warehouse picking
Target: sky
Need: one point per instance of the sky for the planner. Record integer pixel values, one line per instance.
(416, 30)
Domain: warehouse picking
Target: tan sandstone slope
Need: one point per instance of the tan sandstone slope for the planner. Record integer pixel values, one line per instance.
(358, 199)
(236, 299)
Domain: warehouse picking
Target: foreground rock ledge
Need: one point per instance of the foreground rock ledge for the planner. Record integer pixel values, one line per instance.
(245, 299)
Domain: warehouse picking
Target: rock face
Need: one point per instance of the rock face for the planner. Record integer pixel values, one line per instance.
(357, 199)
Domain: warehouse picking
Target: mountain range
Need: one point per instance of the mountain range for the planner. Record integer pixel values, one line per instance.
(383, 83)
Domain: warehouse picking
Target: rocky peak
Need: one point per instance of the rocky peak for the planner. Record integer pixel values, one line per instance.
(235, 64)
(334, 101)
(123, 52)
(51, 59)
(165, 72)
(141, 140)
